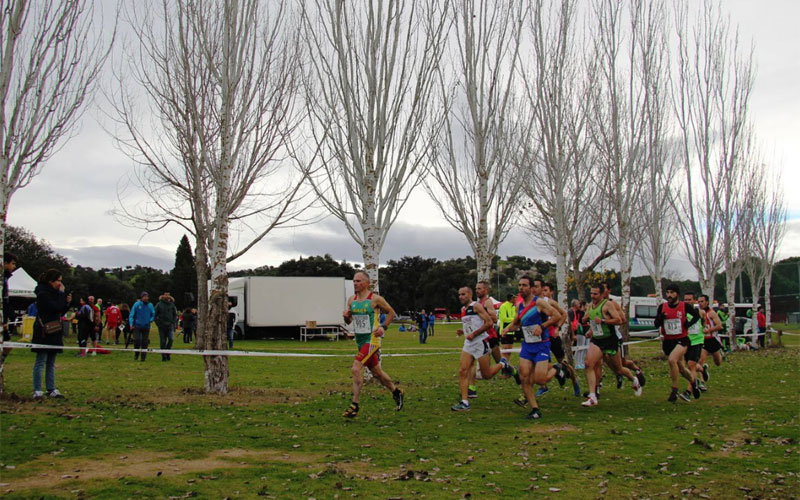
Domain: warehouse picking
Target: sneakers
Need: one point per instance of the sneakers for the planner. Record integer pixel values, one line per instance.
(702, 386)
(640, 377)
(507, 369)
(521, 401)
(696, 389)
(55, 394)
(673, 396)
(38, 394)
(461, 406)
(590, 401)
(535, 414)
(576, 388)
(706, 376)
(351, 411)
(472, 393)
(516, 376)
(560, 375)
(542, 391)
(637, 388)
(619, 381)
(399, 397)
(686, 396)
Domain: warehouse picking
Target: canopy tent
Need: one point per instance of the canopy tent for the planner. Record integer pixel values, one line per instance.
(20, 284)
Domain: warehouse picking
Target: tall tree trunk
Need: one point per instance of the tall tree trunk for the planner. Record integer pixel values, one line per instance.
(707, 285)
(483, 259)
(371, 251)
(216, 367)
(3, 352)
(767, 297)
(658, 282)
(730, 298)
(625, 301)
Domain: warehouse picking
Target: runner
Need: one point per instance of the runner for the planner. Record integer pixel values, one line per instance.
(535, 316)
(711, 344)
(672, 319)
(476, 324)
(557, 344)
(508, 312)
(695, 349)
(626, 361)
(604, 345)
(363, 310)
(482, 290)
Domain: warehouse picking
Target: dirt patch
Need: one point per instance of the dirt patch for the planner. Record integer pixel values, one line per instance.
(550, 429)
(150, 464)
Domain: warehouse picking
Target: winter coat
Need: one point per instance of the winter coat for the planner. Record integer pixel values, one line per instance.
(142, 314)
(51, 305)
(166, 313)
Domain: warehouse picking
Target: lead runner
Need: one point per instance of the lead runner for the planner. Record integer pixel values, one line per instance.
(361, 311)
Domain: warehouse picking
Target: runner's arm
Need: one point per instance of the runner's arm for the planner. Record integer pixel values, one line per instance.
(552, 313)
(487, 321)
(716, 323)
(611, 315)
(381, 304)
(347, 315)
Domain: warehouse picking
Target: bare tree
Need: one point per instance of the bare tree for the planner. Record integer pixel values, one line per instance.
(711, 97)
(50, 58)
(221, 81)
(626, 62)
(370, 95)
(471, 173)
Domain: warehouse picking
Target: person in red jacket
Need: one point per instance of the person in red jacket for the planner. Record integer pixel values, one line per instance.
(113, 322)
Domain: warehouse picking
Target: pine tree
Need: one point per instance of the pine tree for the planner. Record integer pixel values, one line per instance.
(184, 276)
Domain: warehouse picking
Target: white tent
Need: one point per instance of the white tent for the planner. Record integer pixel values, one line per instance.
(20, 284)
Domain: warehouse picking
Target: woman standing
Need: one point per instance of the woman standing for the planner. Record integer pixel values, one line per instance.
(52, 303)
(188, 325)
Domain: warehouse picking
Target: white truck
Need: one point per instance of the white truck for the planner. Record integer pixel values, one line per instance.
(270, 306)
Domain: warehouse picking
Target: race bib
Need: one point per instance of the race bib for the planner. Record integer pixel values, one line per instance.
(361, 323)
(530, 338)
(695, 328)
(597, 329)
(673, 326)
(468, 327)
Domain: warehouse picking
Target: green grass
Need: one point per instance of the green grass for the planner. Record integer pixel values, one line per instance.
(145, 430)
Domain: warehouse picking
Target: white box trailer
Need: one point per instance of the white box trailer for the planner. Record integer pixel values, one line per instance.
(279, 306)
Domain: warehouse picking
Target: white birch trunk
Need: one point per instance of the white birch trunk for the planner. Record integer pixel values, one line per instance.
(730, 290)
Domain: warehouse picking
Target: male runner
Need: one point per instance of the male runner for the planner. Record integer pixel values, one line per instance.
(695, 349)
(604, 345)
(674, 323)
(535, 316)
(482, 290)
(508, 312)
(557, 344)
(711, 344)
(626, 362)
(363, 310)
(476, 323)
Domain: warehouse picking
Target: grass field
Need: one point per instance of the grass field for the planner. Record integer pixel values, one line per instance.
(145, 430)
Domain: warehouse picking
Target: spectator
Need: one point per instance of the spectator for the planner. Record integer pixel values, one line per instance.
(575, 314)
(97, 317)
(761, 323)
(422, 321)
(188, 324)
(32, 310)
(85, 318)
(142, 315)
(166, 321)
(52, 302)
(125, 313)
(231, 324)
(431, 321)
(113, 321)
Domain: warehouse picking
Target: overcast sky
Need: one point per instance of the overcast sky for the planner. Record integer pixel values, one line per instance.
(69, 204)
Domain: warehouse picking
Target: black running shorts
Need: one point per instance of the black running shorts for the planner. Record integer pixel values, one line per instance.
(493, 342)
(557, 346)
(711, 345)
(693, 353)
(668, 345)
(608, 345)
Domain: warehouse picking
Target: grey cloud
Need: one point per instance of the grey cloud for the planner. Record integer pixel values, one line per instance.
(112, 256)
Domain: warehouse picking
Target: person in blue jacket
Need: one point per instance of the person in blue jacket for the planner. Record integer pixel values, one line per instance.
(422, 321)
(142, 315)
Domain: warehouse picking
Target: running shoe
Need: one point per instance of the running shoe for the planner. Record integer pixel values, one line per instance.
(706, 376)
(702, 386)
(535, 414)
(560, 375)
(542, 391)
(38, 394)
(460, 407)
(637, 388)
(521, 401)
(640, 377)
(580, 366)
(619, 381)
(472, 394)
(516, 376)
(399, 398)
(55, 394)
(351, 411)
(686, 396)
(696, 389)
(673, 396)
(507, 369)
(590, 401)
(576, 389)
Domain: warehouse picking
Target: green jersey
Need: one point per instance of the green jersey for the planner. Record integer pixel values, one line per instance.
(696, 333)
(364, 319)
(600, 331)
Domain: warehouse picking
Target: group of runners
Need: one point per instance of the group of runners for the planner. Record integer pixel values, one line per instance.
(689, 330)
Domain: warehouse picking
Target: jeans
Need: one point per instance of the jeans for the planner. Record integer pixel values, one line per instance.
(45, 360)
(430, 329)
(166, 334)
(230, 338)
(423, 335)
(141, 339)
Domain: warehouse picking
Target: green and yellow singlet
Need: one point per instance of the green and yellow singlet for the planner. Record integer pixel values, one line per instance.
(364, 319)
